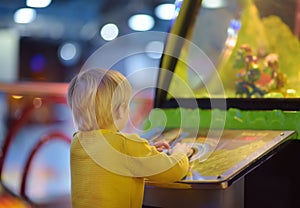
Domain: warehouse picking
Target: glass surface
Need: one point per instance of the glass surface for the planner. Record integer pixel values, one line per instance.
(242, 49)
(216, 158)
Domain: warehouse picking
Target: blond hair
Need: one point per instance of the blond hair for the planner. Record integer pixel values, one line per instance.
(94, 96)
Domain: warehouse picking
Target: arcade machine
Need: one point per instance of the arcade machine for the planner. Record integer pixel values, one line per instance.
(228, 86)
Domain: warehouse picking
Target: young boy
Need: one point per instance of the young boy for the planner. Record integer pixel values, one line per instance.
(109, 168)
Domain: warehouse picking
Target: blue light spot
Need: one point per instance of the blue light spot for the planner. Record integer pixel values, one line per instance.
(235, 24)
(37, 62)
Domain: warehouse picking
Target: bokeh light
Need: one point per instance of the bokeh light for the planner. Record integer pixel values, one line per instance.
(154, 49)
(141, 22)
(37, 63)
(24, 15)
(109, 31)
(38, 3)
(165, 11)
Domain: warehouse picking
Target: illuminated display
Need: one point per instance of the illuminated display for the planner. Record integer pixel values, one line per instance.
(242, 49)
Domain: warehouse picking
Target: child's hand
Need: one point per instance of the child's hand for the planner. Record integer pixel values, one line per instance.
(161, 145)
(182, 148)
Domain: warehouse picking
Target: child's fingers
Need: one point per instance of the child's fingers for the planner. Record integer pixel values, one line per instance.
(162, 144)
(159, 149)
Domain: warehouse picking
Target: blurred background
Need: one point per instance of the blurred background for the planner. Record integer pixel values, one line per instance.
(49, 40)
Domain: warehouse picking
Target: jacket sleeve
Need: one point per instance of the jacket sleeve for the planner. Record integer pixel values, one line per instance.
(157, 166)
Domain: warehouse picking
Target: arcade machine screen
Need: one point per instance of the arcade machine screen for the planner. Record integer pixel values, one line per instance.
(244, 53)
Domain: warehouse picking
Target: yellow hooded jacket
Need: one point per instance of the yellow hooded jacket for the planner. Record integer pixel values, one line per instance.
(108, 169)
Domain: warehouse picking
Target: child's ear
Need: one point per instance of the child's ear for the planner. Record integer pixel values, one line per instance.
(121, 111)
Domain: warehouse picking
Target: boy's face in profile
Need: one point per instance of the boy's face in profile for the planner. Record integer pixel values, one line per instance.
(122, 118)
(127, 115)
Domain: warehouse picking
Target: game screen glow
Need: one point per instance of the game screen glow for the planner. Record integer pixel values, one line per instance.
(242, 49)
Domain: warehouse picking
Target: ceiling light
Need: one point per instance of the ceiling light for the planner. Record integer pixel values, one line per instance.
(24, 15)
(69, 53)
(154, 49)
(38, 3)
(109, 32)
(141, 22)
(214, 4)
(165, 11)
